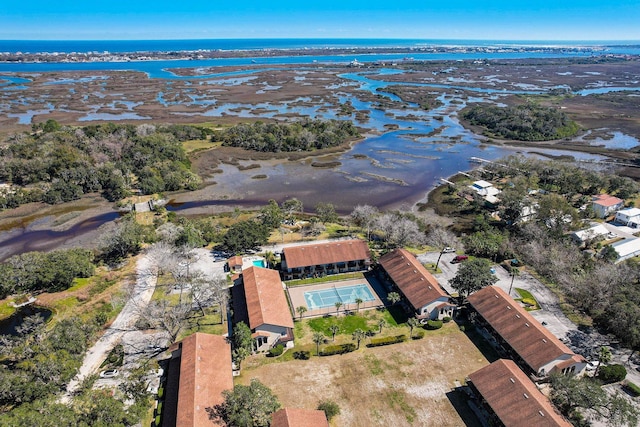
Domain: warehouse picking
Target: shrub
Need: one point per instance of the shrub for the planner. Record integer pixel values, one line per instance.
(418, 335)
(302, 355)
(446, 319)
(329, 407)
(433, 324)
(160, 392)
(158, 420)
(630, 388)
(377, 342)
(612, 373)
(330, 350)
(276, 351)
(462, 328)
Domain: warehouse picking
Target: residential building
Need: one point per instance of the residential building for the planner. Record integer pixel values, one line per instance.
(199, 371)
(293, 417)
(486, 191)
(509, 398)
(604, 205)
(520, 336)
(627, 248)
(629, 217)
(234, 264)
(259, 300)
(593, 233)
(419, 288)
(320, 259)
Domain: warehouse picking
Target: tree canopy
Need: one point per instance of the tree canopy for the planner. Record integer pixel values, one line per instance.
(246, 406)
(473, 275)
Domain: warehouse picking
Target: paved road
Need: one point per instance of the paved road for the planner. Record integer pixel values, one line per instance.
(124, 322)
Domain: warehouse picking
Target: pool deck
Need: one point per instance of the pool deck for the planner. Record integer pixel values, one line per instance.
(296, 294)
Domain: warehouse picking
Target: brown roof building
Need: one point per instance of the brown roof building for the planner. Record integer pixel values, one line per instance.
(205, 371)
(293, 417)
(529, 343)
(417, 285)
(511, 398)
(325, 258)
(235, 263)
(268, 311)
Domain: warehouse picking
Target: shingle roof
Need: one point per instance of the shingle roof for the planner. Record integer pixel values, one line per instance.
(417, 285)
(326, 253)
(235, 261)
(294, 417)
(205, 372)
(532, 341)
(606, 200)
(266, 301)
(514, 398)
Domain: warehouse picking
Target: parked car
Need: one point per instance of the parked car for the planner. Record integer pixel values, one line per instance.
(592, 366)
(109, 373)
(448, 250)
(459, 258)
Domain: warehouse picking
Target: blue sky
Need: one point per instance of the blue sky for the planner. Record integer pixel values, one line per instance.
(422, 19)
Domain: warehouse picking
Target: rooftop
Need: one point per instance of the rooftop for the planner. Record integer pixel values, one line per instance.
(294, 417)
(606, 200)
(532, 341)
(326, 253)
(266, 301)
(514, 398)
(414, 281)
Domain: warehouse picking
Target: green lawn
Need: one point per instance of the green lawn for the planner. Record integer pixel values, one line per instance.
(6, 309)
(347, 324)
(528, 299)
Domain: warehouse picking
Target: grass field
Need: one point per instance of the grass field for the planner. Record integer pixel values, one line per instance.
(406, 384)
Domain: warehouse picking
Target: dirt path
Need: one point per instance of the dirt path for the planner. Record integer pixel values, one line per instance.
(143, 290)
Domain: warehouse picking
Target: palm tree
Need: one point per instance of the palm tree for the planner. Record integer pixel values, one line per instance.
(301, 310)
(393, 297)
(270, 258)
(604, 356)
(514, 272)
(358, 335)
(318, 339)
(412, 323)
(358, 301)
(334, 330)
(381, 324)
(338, 304)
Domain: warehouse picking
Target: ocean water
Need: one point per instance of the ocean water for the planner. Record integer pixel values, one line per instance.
(119, 46)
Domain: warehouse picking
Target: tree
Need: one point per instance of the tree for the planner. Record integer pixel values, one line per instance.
(291, 207)
(301, 310)
(609, 254)
(241, 341)
(338, 304)
(440, 237)
(318, 339)
(412, 323)
(330, 408)
(246, 406)
(271, 215)
(326, 212)
(381, 324)
(604, 356)
(244, 236)
(124, 240)
(473, 275)
(270, 259)
(358, 335)
(358, 301)
(364, 216)
(515, 272)
(334, 330)
(393, 298)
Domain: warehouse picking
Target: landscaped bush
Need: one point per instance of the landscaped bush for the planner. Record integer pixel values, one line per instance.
(631, 388)
(418, 335)
(612, 373)
(276, 351)
(302, 355)
(330, 350)
(446, 319)
(377, 342)
(330, 408)
(433, 324)
(160, 392)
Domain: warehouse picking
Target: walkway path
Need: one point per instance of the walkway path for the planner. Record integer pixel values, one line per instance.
(124, 322)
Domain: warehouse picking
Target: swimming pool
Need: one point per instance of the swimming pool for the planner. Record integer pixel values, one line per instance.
(258, 263)
(346, 295)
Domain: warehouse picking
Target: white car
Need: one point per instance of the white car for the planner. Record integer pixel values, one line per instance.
(109, 373)
(592, 366)
(448, 250)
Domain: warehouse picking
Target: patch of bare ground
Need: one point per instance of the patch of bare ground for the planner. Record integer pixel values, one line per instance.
(399, 385)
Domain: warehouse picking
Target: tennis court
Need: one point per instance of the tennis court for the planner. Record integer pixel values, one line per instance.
(322, 298)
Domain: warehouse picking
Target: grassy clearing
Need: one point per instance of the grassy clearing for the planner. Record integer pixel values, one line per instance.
(198, 145)
(6, 309)
(528, 300)
(330, 278)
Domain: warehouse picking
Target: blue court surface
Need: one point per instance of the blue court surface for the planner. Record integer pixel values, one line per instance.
(346, 295)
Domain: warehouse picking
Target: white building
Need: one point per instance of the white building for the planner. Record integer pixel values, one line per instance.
(629, 217)
(595, 232)
(604, 205)
(627, 248)
(484, 188)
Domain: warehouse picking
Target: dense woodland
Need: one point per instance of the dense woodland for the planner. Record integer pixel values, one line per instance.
(529, 122)
(305, 135)
(58, 164)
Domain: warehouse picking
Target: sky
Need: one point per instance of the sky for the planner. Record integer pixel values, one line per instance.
(410, 19)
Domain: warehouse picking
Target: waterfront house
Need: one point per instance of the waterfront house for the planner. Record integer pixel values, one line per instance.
(320, 259)
(259, 300)
(507, 397)
(604, 205)
(518, 335)
(199, 371)
(418, 287)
